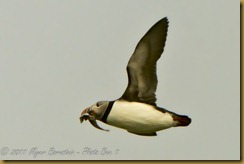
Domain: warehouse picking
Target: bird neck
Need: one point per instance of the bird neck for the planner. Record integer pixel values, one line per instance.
(105, 116)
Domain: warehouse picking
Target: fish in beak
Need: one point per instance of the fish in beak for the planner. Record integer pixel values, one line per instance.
(89, 114)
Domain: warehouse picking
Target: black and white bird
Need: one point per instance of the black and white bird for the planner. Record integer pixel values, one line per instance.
(136, 110)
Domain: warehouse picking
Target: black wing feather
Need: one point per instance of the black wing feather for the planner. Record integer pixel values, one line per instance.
(141, 68)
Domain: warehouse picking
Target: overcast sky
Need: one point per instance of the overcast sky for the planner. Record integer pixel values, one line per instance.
(58, 57)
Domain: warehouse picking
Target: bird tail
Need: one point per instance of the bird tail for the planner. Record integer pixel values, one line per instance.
(182, 120)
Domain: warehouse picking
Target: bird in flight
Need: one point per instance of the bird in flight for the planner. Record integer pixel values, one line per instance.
(136, 110)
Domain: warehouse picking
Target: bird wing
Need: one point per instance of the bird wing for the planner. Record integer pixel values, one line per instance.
(141, 69)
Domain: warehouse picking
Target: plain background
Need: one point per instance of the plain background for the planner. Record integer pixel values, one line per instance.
(58, 57)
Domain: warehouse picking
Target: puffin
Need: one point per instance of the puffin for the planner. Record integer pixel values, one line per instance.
(136, 110)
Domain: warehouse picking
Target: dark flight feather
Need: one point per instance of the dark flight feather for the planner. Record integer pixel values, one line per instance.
(141, 69)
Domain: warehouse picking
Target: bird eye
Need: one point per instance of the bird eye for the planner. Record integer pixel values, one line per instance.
(98, 104)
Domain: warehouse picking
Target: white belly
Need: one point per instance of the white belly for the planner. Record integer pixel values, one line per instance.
(139, 117)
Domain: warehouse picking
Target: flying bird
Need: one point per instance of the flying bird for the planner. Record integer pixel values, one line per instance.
(136, 110)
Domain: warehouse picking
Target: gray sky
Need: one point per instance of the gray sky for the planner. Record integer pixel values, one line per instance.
(59, 57)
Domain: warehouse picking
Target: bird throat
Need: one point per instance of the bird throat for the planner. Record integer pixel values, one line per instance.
(105, 116)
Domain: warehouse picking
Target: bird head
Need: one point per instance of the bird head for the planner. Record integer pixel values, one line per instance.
(95, 112)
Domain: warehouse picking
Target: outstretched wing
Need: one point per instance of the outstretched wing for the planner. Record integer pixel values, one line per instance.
(141, 69)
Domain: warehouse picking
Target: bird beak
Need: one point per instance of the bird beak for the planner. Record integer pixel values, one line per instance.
(86, 116)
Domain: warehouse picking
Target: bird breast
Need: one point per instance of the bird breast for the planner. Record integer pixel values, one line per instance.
(139, 117)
